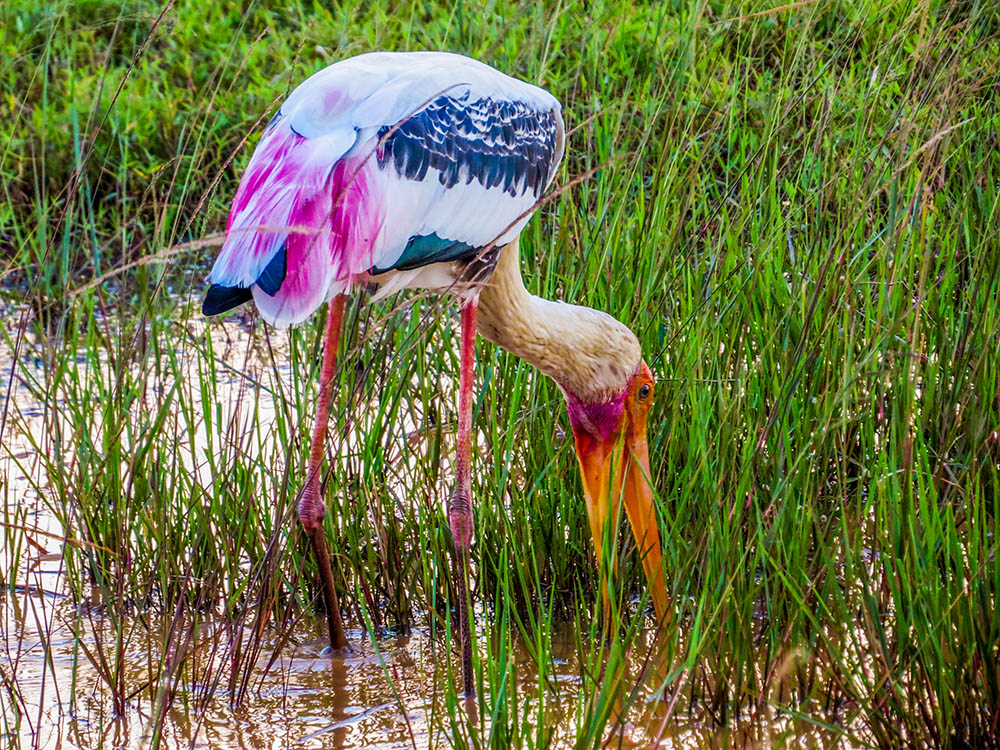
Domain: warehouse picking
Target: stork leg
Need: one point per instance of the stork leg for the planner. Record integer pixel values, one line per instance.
(460, 507)
(312, 508)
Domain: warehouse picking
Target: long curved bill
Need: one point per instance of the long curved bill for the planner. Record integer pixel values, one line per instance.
(629, 458)
(634, 486)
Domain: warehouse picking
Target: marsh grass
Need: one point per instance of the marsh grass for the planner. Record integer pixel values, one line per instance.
(796, 209)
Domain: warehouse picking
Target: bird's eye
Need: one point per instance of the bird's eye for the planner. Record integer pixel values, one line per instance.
(644, 390)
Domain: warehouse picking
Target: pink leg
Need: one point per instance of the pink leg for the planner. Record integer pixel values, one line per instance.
(312, 508)
(460, 507)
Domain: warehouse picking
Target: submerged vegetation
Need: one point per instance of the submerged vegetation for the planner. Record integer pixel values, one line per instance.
(795, 206)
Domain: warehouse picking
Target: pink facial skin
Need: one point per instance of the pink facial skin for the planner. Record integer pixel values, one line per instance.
(595, 425)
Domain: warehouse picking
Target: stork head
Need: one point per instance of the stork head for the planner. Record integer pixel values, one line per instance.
(612, 449)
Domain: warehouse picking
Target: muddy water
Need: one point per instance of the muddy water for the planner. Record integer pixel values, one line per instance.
(389, 693)
(306, 698)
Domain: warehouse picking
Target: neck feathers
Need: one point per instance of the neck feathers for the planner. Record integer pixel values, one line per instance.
(587, 352)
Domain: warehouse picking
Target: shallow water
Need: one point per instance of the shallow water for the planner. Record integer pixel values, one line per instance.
(306, 698)
(390, 692)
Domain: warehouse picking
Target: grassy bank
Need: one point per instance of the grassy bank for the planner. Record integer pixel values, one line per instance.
(797, 211)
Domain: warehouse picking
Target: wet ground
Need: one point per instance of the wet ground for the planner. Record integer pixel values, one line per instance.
(304, 699)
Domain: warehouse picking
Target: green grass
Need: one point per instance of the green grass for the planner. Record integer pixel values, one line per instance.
(797, 211)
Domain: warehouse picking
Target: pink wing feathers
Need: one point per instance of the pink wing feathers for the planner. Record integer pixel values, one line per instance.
(302, 207)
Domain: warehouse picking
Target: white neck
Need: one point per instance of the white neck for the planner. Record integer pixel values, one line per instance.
(587, 352)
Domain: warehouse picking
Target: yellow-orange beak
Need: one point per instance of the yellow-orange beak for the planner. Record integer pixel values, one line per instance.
(624, 454)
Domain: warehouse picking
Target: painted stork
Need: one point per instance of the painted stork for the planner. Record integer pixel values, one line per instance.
(419, 170)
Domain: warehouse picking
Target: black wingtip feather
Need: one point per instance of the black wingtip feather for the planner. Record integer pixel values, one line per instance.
(274, 273)
(221, 298)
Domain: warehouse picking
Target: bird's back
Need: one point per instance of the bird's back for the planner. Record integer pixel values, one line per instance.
(382, 167)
